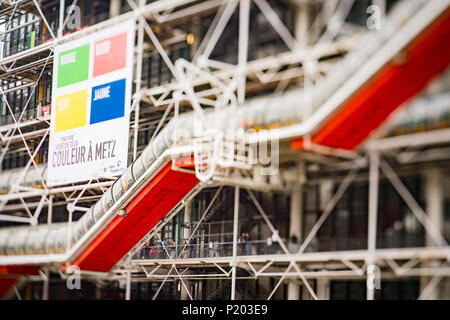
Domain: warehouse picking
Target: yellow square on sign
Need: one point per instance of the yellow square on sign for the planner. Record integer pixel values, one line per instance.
(71, 110)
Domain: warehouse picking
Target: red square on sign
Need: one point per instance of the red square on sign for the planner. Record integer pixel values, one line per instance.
(110, 54)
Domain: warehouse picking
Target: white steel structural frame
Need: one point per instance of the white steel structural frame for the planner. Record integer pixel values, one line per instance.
(239, 75)
(225, 79)
(22, 193)
(396, 263)
(154, 10)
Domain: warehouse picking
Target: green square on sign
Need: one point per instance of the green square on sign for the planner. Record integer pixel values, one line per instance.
(73, 66)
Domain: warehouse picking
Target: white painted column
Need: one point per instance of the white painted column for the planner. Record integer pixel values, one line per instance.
(186, 234)
(434, 199)
(295, 227)
(326, 189)
(434, 202)
(50, 209)
(184, 293)
(372, 225)
(45, 275)
(293, 290)
(323, 289)
(244, 12)
(326, 192)
(235, 236)
(98, 291)
(301, 24)
(114, 8)
(45, 289)
(187, 219)
(140, 53)
(61, 17)
(128, 287)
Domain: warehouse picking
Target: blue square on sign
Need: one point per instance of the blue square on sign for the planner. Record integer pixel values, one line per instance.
(108, 101)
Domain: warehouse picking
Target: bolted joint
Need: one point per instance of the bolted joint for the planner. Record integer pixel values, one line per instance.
(122, 213)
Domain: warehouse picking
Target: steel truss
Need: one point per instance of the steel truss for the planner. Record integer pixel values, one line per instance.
(204, 83)
(190, 77)
(393, 263)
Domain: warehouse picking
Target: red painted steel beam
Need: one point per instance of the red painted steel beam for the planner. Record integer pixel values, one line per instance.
(146, 209)
(424, 58)
(9, 274)
(6, 285)
(18, 270)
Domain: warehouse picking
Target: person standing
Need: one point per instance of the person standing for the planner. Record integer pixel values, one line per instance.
(186, 250)
(269, 245)
(275, 238)
(247, 244)
(293, 244)
(193, 247)
(241, 242)
(164, 247)
(172, 249)
(147, 249)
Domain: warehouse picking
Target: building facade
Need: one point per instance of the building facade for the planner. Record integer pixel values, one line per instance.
(317, 163)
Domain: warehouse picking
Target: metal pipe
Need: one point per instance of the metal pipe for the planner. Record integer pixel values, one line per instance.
(137, 106)
(244, 16)
(158, 150)
(61, 18)
(128, 287)
(50, 209)
(372, 222)
(45, 284)
(235, 239)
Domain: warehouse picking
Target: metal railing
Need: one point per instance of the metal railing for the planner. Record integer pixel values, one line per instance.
(263, 247)
(30, 114)
(212, 250)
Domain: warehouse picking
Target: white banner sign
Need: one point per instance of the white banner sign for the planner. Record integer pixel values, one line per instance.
(90, 112)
